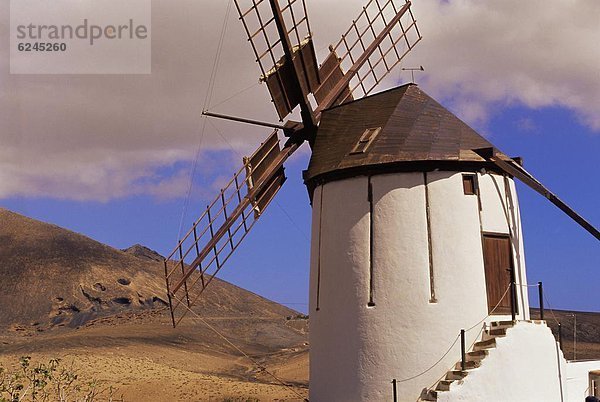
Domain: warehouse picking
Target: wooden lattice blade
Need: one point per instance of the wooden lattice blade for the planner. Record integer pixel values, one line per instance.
(367, 54)
(280, 80)
(214, 237)
(331, 74)
(280, 35)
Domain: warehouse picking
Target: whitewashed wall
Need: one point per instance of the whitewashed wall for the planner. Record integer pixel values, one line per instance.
(356, 350)
(577, 379)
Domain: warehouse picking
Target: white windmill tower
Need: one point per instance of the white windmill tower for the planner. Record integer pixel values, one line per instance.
(416, 229)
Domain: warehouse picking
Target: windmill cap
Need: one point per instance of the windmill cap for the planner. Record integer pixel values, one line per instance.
(402, 129)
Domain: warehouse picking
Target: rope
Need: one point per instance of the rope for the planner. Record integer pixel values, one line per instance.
(470, 347)
(550, 309)
(288, 216)
(255, 362)
(234, 95)
(456, 340)
(491, 312)
(217, 61)
(188, 196)
(435, 364)
(207, 100)
(480, 331)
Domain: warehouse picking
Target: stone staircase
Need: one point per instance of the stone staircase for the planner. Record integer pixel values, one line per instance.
(473, 359)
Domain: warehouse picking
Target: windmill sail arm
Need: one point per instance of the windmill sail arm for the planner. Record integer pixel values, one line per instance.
(514, 169)
(214, 237)
(280, 36)
(342, 85)
(222, 231)
(308, 117)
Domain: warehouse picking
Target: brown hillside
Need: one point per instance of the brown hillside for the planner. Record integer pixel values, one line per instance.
(55, 277)
(117, 330)
(143, 252)
(587, 345)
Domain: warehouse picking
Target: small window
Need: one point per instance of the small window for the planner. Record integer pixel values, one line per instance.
(469, 184)
(366, 139)
(595, 383)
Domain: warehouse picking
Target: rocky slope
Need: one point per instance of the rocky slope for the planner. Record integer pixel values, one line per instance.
(54, 277)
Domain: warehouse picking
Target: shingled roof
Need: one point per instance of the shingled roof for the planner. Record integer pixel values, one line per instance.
(416, 132)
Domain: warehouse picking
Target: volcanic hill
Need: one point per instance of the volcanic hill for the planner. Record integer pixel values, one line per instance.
(64, 295)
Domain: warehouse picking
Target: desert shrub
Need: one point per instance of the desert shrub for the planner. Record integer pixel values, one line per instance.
(45, 382)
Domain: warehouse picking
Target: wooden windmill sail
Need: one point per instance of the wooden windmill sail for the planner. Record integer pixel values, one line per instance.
(280, 35)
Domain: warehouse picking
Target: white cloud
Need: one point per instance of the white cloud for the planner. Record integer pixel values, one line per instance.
(105, 137)
(481, 55)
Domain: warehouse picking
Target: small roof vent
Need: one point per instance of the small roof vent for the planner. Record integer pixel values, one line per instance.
(366, 139)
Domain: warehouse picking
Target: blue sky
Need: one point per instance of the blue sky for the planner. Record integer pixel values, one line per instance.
(273, 261)
(110, 156)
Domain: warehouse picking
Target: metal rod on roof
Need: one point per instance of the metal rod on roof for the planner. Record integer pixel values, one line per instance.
(243, 120)
(412, 71)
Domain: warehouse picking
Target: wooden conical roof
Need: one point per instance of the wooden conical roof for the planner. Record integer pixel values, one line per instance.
(416, 133)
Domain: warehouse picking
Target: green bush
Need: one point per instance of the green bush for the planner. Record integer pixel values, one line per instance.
(45, 382)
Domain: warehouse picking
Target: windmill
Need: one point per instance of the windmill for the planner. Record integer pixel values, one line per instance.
(425, 199)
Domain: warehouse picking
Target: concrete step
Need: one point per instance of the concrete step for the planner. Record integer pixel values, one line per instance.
(455, 375)
(469, 365)
(494, 333)
(483, 345)
(473, 359)
(431, 395)
(501, 324)
(443, 385)
(538, 322)
(477, 355)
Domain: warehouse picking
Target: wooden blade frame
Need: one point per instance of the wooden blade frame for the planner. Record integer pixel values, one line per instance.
(280, 36)
(213, 238)
(288, 63)
(514, 169)
(376, 42)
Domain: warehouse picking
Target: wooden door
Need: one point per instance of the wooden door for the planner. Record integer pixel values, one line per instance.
(498, 267)
(595, 385)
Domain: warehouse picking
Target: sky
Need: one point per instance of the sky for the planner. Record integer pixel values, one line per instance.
(113, 156)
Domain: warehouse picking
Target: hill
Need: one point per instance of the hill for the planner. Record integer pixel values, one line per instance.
(580, 342)
(53, 277)
(143, 252)
(102, 311)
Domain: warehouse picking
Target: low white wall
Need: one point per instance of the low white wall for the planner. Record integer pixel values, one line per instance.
(523, 367)
(577, 379)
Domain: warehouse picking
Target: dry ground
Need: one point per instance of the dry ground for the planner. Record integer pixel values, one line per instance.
(147, 360)
(63, 295)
